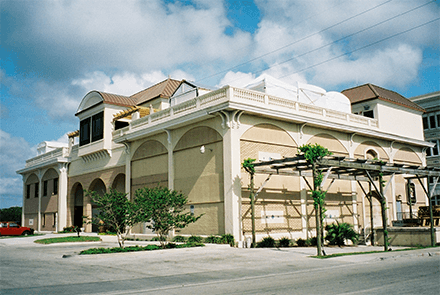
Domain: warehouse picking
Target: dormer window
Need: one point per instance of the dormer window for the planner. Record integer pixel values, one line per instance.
(91, 129)
(98, 126)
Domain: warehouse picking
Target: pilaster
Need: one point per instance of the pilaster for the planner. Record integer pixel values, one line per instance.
(232, 179)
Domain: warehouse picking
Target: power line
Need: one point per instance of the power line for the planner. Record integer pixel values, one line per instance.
(295, 42)
(363, 47)
(345, 37)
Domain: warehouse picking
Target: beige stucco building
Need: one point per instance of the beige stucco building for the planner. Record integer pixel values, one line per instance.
(194, 140)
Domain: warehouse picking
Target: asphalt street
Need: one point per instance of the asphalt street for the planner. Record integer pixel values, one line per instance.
(29, 268)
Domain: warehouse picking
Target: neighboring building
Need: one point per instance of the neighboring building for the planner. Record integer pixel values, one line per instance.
(431, 125)
(192, 139)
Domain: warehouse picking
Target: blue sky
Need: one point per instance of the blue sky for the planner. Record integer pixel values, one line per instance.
(54, 52)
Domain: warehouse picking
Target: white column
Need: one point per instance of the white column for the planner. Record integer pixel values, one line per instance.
(24, 202)
(353, 186)
(40, 192)
(170, 160)
(127, 169)
(232, 182)
(354, 205)
(62, 196)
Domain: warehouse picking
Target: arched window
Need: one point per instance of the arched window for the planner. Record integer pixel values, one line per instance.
(371, 155)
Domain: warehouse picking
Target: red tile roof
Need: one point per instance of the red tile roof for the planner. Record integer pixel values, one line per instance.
(164, 89)
(368, 92)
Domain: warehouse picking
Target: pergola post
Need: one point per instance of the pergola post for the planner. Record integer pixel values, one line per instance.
(431, 215)
(251, 187)
(382, 201)
(383, 208)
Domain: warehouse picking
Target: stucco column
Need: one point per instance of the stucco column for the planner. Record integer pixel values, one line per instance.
(127, 170)
(170, 160)
(40, 192)
(24, 201)
(353, 184)
(62, 197)
(303, 195)
(232, 182)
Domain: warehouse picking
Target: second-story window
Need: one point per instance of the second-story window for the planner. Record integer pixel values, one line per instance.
(91, 129)
(98, 126)
(45, 188)
(37, 190)
(84, 131)
(55, 186)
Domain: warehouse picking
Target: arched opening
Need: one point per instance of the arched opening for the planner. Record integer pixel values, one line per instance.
(99, 187)
(78, 205)
(119, 183)
(371, 155)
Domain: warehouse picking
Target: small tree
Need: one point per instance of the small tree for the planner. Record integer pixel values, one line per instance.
(115, 211)
(312, 154)
(11, 214)
(163, 209)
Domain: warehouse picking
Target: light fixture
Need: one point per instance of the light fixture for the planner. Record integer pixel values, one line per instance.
(203, 149)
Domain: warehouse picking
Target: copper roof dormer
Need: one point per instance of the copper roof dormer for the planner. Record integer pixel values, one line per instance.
(369, 91)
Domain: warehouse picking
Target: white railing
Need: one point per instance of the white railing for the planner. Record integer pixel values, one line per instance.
(59, 152)
(248, 97)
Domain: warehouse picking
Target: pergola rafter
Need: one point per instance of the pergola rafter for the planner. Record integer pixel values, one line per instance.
(336, 167)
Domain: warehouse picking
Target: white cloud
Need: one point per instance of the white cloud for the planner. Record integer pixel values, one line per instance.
(237, 79)
(13, 154)
(316, 26)
(395, 67)
(85, 35)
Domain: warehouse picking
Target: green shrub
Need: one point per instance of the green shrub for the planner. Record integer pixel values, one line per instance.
(195, 239)
(69, 229)
(312, 241)
(301, 242)
(214, 240)
(228, 239)
(267, 242)
(306, 243)
(284, 242)
(138, 248)
(179, 239)
(338, 233)
(158, 239)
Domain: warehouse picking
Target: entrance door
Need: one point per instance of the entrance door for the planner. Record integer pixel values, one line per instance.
(78, 207)
(78, 216)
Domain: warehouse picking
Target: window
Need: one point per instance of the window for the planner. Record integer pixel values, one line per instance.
(432, 123)
(13, 224)
(45, 188)
(44, 220)
(28, 191)
(425, 123)
(55, 186)
(120, 124)
(369, 114)
(98, 126)
(435, 200)
(37, 188)
(54, 219)
(91, 129)
(84, 132)
(434, 151)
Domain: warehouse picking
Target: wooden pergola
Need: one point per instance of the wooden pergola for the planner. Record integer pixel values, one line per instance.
(334, 167)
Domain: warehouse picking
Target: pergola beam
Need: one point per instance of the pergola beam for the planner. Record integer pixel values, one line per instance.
(350, 169)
